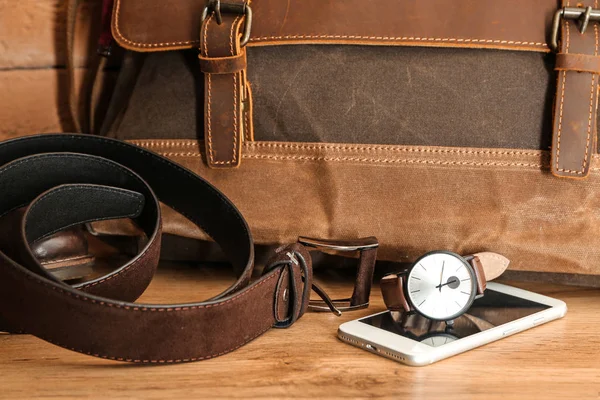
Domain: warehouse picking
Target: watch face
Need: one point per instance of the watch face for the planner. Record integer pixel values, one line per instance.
(441, 285)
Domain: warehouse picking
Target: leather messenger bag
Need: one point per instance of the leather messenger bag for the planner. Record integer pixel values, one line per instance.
(431, 124)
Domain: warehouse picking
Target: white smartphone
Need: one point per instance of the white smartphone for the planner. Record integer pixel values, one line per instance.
(415, 340)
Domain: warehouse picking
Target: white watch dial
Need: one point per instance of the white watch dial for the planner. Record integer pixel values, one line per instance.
(441, 286)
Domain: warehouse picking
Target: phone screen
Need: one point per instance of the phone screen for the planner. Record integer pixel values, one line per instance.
(493, 309)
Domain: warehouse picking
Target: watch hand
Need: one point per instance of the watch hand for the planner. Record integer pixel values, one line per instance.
(446, 284)
(442, 276)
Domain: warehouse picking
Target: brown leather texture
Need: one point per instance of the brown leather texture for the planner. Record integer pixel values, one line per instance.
(345, 191)
(497, 24)
(225, 90)
(576, 105)
(577, 63)
(364, 277)
(494, 264)
(392, 290)
(223, 65)
(65, 254)
(479, 274)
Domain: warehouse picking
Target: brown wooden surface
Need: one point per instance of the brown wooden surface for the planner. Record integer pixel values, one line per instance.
(33, 33)
(33, 80)
(556, 360)
(35, 101)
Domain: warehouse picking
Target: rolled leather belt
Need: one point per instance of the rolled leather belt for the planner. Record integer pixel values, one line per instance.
(65, 180)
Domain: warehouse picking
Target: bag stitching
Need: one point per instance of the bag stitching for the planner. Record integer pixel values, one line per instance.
(369, 160)
(246, 125)
(235, 97)
(404, 38)
(589, 131)
(562, 101)
(385, 148)
(209, 100)
(287, 37)
(394, 161)
(233, 160)
(184, 143)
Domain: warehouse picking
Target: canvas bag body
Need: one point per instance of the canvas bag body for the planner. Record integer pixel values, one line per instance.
(378, 121)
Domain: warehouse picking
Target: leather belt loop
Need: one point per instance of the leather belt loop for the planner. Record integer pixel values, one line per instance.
(226, 93)
(223, 65)
(364, 277)
(574, 131)
(577, 63)
(293, 289)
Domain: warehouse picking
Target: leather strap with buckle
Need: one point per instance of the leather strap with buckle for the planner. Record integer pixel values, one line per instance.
(576, 105)
(224, 33)
(64, 180)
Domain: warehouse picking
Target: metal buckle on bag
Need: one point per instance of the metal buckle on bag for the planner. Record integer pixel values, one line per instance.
(585, 15)
(359, 245)
(217, 7)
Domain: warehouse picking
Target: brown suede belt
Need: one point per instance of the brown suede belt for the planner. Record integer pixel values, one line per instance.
(66, 180)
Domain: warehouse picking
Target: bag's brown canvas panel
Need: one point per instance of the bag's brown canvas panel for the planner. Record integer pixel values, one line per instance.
(414, 199)
(140, 25)
(353, 94)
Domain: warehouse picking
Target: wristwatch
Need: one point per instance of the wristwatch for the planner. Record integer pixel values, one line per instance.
(442, 285)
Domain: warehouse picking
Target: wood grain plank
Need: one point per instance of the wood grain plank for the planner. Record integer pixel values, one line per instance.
(33, 33)
(35, 101)
(557, 360)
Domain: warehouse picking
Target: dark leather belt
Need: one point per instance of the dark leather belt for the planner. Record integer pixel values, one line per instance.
(66, 180)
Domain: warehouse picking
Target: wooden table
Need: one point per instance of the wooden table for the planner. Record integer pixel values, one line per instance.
(557, 360)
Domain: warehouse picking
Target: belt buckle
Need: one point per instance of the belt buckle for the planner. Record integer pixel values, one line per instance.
(584, 15)
(367, 248)
(217, 7)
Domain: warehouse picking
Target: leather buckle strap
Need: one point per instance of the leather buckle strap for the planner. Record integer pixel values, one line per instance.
(584, 15)
(293, 301)
(227, 94)
(576, 106)
(367, 249)
(216, 7)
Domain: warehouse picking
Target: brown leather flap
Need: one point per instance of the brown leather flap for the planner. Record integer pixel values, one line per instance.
(143, 25)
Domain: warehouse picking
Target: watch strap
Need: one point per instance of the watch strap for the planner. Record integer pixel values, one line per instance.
(493, 264)
(392, 289)
(477, 265)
